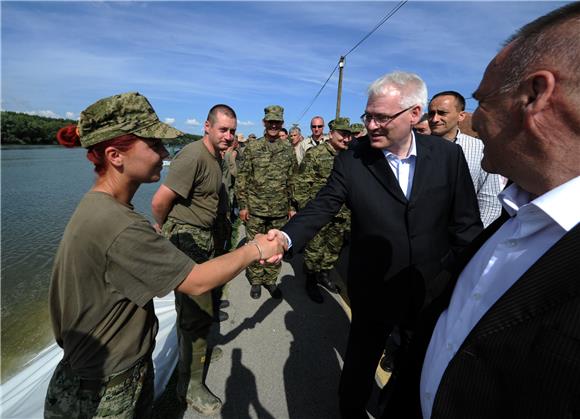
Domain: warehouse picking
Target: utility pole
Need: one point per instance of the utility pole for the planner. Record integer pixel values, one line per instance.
(340, 67)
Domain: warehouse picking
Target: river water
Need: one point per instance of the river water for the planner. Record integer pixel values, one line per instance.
(41, 187)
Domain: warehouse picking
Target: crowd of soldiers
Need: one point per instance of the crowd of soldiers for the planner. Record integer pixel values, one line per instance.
(268, 179)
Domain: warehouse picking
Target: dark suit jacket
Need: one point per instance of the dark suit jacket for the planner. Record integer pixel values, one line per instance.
(522, 360)
(397, 245)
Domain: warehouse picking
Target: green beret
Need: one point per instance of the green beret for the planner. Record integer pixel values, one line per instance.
(127, 113)
(340, 124)
(274, 113)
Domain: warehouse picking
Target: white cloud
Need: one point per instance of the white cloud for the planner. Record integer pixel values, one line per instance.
(46, 114)
(192, 121)
(71, 115)
(245, 123)
(170, 121)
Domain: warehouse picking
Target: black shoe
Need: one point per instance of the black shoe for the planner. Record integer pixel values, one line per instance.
(222, 316)
(326, 282)
(274, 291)
(224, 304)
(255, 292)
(312, 289)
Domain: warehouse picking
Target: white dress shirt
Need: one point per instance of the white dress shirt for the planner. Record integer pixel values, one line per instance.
(487, 185)
(404, 169)
(535, 226)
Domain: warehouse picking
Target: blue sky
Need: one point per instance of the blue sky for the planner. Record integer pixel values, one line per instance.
(185, 56)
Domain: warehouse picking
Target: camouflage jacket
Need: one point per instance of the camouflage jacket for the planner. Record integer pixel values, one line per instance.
(312, 175)
(263, 183)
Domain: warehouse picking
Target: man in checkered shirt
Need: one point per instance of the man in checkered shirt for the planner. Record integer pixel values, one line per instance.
(446, 110)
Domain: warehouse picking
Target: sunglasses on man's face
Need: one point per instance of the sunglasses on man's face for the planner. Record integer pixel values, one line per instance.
(316, 126)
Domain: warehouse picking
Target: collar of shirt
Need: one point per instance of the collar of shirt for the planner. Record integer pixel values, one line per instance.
(412, 150)
(555, 203)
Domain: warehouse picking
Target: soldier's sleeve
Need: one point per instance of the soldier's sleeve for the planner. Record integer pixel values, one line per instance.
(244, 170)
(304, 179)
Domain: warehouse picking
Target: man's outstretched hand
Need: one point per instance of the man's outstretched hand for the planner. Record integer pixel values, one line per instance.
(277, 235)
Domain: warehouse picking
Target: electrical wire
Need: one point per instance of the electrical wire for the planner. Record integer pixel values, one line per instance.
(377, 26)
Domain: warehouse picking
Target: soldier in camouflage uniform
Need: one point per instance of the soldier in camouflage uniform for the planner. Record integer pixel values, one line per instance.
(187, 205)
(358, 130)
(322, 251)
(264, 193)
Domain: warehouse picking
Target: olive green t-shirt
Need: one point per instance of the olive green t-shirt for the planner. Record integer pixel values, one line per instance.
(108, 267)
(196, 176)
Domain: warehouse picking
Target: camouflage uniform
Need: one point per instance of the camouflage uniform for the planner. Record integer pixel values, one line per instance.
(128, 394)
(263, 188)
(322, 251)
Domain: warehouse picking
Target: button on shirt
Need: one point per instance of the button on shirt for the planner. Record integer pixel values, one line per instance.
(535, 226)
(404, 169)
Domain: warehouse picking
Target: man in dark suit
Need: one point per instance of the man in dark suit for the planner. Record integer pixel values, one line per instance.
(413, 208)
(504, 339)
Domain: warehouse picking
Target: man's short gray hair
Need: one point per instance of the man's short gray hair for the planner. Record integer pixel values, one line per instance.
(296, 129)
(412, 87)
(551, 39)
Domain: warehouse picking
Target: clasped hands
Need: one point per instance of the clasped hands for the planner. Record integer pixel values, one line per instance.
(272, 245)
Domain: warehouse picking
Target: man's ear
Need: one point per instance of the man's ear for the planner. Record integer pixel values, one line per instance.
(537, 97)
(206, 126)
(416, 114)
(538, 90)
(461, 116)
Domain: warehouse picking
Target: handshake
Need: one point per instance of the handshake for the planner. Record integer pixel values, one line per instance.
(271, 246)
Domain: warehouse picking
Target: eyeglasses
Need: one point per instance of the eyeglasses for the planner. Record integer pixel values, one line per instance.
(382, 119)
(316, 126)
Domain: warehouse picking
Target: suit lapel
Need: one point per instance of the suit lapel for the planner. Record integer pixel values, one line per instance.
(423, 168)
(553, 279)
(377, 164)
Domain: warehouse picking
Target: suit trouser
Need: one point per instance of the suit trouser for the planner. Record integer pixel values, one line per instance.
(366, 342)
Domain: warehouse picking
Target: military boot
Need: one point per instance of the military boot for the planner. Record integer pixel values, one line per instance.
(326, 282)
(197, 395)
(312, 288)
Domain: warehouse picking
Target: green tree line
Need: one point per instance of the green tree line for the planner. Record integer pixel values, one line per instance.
(21, 128)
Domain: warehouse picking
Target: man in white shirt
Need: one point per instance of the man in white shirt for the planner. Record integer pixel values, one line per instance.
(505, 340)
(317, 137)
(446, 110)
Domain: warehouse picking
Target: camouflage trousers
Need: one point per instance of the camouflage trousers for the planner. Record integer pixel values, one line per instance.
(323, 250)
(194, 313)
(256, 273)
(124, 395)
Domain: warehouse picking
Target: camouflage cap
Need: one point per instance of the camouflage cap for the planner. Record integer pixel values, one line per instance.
(340, 124)
(127, 113)
(274, 113)
(357, 128)
(252, 136)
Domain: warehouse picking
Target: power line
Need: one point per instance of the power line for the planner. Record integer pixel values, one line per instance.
(381, 22)
(377, 26)
(317, 94)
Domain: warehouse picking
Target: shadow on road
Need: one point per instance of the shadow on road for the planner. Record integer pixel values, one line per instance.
(319, 334)
(241, 392)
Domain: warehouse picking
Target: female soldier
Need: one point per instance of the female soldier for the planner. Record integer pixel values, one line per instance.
(111, 263)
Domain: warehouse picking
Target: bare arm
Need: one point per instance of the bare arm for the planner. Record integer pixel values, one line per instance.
(161, 204)
(218, 271)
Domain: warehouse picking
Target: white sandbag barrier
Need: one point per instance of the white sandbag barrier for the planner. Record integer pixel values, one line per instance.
(23, 395)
